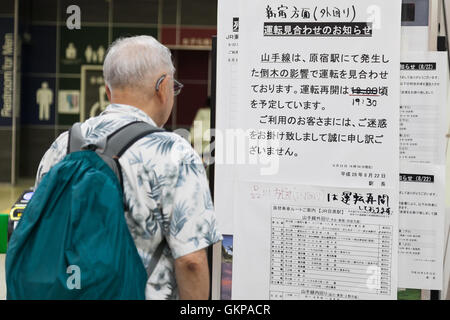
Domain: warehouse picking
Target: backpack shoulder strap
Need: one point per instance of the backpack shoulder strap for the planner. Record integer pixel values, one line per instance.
(118, 143)
(155, 257)
(76, 140)
(120, 140)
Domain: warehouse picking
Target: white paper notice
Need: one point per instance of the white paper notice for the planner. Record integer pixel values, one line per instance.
(317, 86)
(226, 109)
(318, 82)
(314, 243)
(422, 233)
(423, 122)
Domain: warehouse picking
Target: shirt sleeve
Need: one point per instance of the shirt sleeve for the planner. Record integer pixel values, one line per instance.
(193, 224)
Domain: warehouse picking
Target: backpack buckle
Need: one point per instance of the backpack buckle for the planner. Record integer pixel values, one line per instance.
(89, 147)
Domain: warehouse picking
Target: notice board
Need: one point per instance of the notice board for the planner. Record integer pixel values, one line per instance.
(307, 147)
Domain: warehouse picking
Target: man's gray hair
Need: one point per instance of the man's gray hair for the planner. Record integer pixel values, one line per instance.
(136, 62)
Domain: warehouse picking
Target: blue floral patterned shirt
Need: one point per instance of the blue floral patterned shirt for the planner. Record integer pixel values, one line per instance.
(166, 191)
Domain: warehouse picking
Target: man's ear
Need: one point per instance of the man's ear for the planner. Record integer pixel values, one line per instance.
(163, 92)
(108, 92)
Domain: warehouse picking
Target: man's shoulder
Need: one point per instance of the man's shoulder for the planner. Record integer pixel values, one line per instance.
(165, 149)
(167, 154)
(167, 143)
(60, 143)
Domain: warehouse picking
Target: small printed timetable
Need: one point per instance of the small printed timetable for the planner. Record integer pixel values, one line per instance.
(327, 257)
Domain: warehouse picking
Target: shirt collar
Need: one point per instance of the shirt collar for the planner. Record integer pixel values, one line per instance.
(129, 111)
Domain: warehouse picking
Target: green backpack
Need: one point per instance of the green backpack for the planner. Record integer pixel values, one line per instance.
(72, 241)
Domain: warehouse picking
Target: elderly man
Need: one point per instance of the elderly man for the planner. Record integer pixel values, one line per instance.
(165, 186)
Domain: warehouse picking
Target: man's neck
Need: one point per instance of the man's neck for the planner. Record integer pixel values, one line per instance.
(134, 100)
